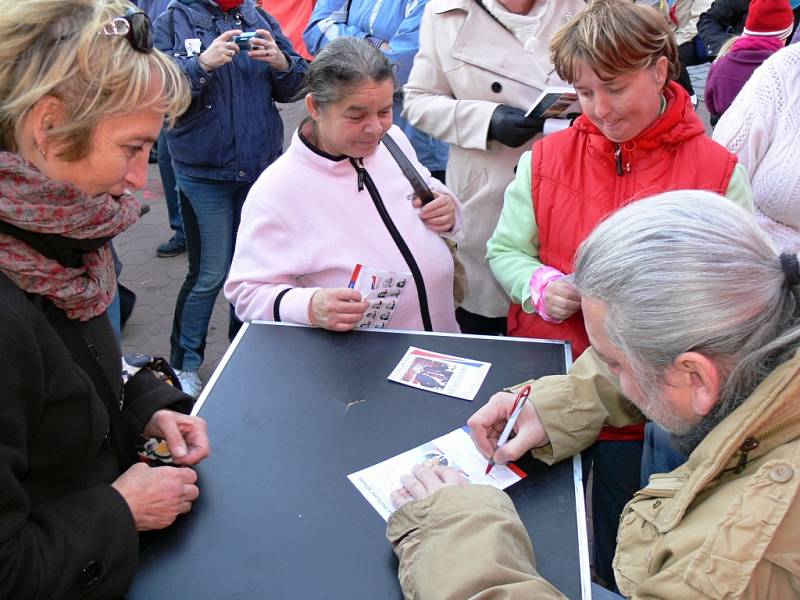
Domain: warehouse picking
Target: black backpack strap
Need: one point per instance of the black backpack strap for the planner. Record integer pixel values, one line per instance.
(421, 188)
(85, 357)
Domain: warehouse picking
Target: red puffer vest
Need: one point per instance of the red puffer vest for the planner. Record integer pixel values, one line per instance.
(578, 177)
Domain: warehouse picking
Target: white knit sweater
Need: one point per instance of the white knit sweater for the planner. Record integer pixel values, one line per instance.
(761, 127)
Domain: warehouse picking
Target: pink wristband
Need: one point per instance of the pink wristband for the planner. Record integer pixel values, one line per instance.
(540, 279)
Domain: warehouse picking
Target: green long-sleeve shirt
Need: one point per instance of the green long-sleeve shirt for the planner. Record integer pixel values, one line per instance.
(513, 249)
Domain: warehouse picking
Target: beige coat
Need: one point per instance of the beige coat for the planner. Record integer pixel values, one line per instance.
(688, 13)
(709, 529)
(467, 65)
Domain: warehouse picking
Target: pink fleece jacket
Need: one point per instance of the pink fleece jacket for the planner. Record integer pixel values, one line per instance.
(305, 225)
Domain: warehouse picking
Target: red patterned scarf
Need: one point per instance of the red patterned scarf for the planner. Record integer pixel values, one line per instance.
(68, 218)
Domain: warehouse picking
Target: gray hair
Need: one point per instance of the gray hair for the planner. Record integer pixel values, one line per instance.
(690, 271)
(343, 65)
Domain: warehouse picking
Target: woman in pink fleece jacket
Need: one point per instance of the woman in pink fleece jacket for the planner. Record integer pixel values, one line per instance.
(338, 198)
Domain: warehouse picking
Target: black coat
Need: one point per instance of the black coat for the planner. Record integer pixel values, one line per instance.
(723, 20)
(64, 531)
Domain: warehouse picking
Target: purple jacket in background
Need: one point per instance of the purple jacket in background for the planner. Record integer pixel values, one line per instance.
(728, 75)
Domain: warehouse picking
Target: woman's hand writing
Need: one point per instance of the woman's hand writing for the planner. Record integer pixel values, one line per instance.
(487, 424)
(336, 309)
(439, 214)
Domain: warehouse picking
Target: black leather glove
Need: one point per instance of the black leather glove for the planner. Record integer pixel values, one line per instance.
(511, 127)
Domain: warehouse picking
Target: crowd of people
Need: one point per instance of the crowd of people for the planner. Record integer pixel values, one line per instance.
(666, 256)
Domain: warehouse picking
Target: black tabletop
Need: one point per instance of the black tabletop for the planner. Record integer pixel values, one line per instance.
(292, 413)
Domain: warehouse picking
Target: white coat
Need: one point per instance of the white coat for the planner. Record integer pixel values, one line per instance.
(467, 65)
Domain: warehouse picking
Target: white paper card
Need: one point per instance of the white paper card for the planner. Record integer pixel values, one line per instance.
(440, 373)
(382, 289)
(455, 449)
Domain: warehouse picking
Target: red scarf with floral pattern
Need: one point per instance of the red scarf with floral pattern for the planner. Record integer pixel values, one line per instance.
(32, 202)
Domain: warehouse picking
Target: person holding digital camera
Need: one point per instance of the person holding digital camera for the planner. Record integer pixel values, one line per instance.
(230, 134)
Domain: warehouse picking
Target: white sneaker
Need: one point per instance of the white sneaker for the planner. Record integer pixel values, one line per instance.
(190, 382)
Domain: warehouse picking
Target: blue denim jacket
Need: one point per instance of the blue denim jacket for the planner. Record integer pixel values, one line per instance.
(232, 130)
(152, 7)
(397, 23)
(394, 22)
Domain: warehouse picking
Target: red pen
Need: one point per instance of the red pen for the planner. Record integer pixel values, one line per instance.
(519, 404)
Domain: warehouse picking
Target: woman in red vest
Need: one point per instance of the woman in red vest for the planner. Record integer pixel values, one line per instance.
(638, 136)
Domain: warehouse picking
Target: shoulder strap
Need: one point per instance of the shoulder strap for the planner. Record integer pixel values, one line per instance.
(421, 188)
(84, 356)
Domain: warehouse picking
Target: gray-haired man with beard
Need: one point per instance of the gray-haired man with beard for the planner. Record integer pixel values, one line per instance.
(695, 318)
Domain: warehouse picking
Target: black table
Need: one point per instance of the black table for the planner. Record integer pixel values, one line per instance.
(293, 410)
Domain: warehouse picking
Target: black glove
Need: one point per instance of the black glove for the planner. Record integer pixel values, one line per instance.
(511, 127)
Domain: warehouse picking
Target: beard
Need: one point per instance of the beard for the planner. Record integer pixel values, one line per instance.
(685, 434)
(689, 439)
(654, 407)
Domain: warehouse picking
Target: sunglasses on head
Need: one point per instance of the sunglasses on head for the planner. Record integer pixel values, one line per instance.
(134, 26)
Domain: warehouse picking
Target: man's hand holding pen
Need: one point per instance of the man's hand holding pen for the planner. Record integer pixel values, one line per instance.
(488, 423)
(486, 427)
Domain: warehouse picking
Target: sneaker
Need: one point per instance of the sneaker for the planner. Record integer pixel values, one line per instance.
(172, 247)
(190, 382)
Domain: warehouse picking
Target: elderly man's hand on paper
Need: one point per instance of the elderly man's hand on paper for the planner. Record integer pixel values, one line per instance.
(424, 481)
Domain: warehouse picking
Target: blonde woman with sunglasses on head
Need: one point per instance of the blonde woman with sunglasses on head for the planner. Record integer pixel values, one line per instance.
(83, 98)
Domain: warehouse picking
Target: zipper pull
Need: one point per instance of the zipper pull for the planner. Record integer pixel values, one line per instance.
(358, 165)
(747, 446)
(618, 159)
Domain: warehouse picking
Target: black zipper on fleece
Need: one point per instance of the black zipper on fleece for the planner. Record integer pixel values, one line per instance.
(364, 180)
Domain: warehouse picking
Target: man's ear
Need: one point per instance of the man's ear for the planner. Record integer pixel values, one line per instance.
(703, 378)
